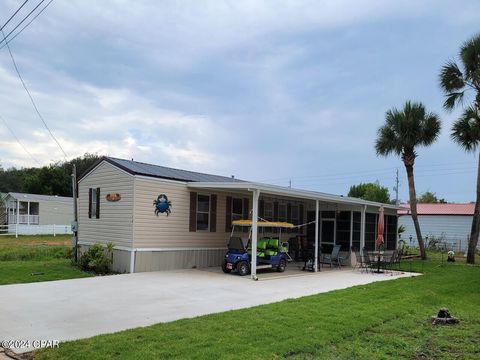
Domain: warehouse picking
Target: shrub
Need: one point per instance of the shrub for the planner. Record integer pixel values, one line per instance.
(97, 259)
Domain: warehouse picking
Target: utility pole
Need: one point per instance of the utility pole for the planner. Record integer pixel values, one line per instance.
(290, 183)
(75, 216)
(396, 188)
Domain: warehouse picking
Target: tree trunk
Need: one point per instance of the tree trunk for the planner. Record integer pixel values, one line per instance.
(413, 209)
(472, 243)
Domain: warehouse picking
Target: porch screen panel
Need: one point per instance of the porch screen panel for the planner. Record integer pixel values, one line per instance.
(391, 229)
(370, 230)
(357, 225)
(343, 230)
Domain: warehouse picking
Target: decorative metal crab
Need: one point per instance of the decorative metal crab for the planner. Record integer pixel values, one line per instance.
(162, 205)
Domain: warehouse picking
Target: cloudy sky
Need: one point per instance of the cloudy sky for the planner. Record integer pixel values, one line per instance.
(265, 90)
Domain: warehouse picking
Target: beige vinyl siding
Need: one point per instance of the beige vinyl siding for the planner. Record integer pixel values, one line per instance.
(58, 213)
(172, 231)
(116, 218)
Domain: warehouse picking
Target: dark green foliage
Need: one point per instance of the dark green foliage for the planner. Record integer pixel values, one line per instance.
(370, 191)
(429, 197)
(48, 180)
(54, 179)
(96, 259)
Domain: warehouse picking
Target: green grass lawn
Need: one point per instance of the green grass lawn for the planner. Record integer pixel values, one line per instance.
(36, 258)
(387, 320)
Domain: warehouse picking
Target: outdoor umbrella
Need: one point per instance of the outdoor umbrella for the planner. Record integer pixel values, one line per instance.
(381, 228)
(380, 239)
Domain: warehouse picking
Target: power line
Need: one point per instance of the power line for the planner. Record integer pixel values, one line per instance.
(21, 30)
(20, 23)
(15, 13)
(32, 100)
(18, 141)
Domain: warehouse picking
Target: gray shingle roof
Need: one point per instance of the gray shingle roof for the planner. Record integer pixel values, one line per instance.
(37, 197)
(139, 168)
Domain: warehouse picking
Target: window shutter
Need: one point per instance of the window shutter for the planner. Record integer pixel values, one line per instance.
(261, 208)
(228, 214)
(98, 203)
(193, 212)
(90, 203)
(246, 212)
(213, 213)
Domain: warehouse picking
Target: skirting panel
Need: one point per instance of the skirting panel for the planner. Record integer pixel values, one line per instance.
(177, 259)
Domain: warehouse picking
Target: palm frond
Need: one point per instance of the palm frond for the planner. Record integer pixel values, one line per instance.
(466, 130)
(470, 56)
(453, 99)
(406, 129)
(451, 78)
(431, 126)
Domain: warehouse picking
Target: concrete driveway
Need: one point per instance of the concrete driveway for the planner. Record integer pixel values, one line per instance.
(81, 308)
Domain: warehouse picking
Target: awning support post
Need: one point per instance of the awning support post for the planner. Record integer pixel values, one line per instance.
(362, 227)
(317, 208)
(256, 195)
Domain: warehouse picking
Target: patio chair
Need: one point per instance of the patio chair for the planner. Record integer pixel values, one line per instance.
(367, 259)
(389, 261)
(359, 264)
(334, 257)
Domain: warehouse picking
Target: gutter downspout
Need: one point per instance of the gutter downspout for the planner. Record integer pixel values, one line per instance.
(132, 260)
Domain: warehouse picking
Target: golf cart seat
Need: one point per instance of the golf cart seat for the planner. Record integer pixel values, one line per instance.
(272, 247)
(261, 248)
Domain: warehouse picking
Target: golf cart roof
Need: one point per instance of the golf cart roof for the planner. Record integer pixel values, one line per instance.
(263, 223)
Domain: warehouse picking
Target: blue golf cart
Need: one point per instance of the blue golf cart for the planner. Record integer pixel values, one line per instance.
(271, 252)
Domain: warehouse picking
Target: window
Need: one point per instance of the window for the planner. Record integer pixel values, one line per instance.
(94, 203)
(391, 232)
(370, 231)
(343, 230)
(268, 211)
(282, 212)
(357, 220)
(203, 212)
(237, 209)
(295, 214)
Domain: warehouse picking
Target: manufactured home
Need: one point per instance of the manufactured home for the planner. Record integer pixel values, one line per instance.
(449, 224)
(160, 218)
(29, 214)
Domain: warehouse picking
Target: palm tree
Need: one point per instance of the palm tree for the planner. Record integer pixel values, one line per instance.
(405, 130)
(465, 130)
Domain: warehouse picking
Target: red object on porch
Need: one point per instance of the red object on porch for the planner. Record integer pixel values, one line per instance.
(381, 227)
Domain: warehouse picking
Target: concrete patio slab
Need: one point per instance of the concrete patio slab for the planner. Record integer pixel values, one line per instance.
(80, 308)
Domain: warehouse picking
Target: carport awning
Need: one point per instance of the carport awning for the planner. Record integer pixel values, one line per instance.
(288, 192)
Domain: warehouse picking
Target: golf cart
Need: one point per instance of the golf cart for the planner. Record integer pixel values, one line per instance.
(271, 252)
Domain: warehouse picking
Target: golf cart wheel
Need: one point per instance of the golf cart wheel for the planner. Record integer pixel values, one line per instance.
(282, 265)
(224, 268)
(243, 268)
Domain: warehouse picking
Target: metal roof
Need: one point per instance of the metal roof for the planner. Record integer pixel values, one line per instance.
(37, 197)
(439, 209)
(157, 171)
(290, 192)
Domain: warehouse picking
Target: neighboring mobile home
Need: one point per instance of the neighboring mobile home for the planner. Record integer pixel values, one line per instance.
(37, 214)
(117, 203)
(448, 223)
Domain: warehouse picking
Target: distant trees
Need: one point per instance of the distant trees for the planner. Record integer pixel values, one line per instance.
(455, 81)
(48, 180)
(370, 191)
(403, 132)
(429, 197)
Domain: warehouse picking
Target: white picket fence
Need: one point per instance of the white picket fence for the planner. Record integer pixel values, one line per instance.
(21, 229)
